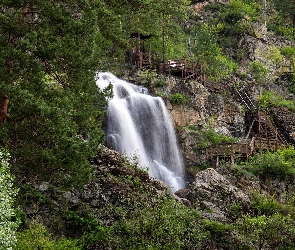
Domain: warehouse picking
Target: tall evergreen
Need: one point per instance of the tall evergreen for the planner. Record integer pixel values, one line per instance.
(48, 57)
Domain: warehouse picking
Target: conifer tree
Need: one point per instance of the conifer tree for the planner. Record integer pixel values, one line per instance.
(48, 56)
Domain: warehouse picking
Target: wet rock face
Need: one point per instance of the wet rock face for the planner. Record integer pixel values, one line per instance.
(213, 194)
(286, 119)
(203, 109)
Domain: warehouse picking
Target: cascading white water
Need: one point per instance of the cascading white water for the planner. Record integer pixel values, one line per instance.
(139, 125)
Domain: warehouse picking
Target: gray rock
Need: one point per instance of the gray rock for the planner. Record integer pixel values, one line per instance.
(214, 194)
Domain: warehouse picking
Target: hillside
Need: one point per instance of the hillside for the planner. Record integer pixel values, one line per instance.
(72, 192)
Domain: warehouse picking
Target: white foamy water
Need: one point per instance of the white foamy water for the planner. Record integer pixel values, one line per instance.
(139, 125)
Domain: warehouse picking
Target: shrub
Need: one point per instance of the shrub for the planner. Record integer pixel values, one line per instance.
(162, 95)
(263, 232)
(275, 165)
(214, 138)
(288, 52)
(258, 71)
(272, 99)
(220, 233)
(210, 137)
(168, 225)
(178, 98)
(274, 55)
(37, 237)
(264, 205)
(158, 83)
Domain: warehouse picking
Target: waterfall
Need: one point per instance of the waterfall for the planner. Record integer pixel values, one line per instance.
(139, 125)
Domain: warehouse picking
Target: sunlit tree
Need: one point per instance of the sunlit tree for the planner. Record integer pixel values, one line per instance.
(8, 223)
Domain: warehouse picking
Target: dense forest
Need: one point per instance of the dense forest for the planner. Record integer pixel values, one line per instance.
(52, 131)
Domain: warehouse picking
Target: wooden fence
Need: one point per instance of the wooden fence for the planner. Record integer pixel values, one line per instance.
(241, 149)
(182, 68)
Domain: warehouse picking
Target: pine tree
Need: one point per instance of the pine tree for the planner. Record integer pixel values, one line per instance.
(48, 57)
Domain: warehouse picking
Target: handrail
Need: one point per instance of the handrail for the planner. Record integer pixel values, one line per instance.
(242, 149)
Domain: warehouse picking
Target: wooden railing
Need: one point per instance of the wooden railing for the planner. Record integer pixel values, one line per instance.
(241, 149)
(143, 59)
(232, 150)
(183, 68)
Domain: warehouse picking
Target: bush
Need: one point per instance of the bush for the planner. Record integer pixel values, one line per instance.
(211, 137)
(178, 98)
(280, 164)
(220, 233)
(274, 55)
(37, 237)
(169, 225)
(158, 83)
(258, 71)
(288, 52)
(191, 127)
(272, 99)
(266, 232)
(165, 224)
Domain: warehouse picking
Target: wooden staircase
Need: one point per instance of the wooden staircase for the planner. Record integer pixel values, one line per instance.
(263, 134)
(263, 127)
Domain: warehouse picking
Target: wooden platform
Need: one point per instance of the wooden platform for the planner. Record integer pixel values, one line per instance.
(242, 149)
(182, 68)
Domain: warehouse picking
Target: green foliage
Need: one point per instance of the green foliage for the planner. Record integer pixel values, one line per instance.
(178, 99)
(281, 25)
(37, 237)
(268, 205)
(92, 230)
(279, 164)
(288, 52)
(168, 225)
(271, 99)
(269, 225)
(281, 20)
(8, 224)
(274, 55)
(30, 192)
(237, 17)
(191, 127)
(162, 224)
(219, 232)
(286, 9)
(235, 211)
(209, 54)
(52, 91)
(234, 19)
(249, 8)
(258, 71)
(147, 77)
(159, 83)
(162, 95)
(261, 231)
(209, 137)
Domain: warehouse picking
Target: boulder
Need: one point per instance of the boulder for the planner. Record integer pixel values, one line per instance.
(213, 194)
